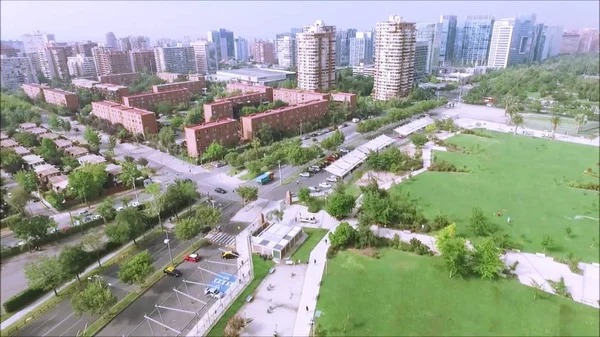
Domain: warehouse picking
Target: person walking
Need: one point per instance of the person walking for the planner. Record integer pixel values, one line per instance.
(307, 308)
(315, 261)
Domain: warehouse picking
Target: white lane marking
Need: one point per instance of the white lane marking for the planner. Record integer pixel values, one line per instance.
(42, 325)
(71, 327)
(56, 326)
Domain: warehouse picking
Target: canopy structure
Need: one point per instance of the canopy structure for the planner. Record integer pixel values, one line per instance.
(411, 127)
(347, 163)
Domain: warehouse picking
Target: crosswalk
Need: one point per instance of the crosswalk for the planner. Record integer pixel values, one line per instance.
(221, 238)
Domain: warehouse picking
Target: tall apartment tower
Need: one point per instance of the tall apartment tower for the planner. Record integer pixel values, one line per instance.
(316, 57)
(361, 49)
(395, 45)
(263, 52)
(109, 61)
(286, 49)
(500, 44)
(111, 40)
(447, 38)
(427, 32)
(523, 41)
(53, 62)
(81, 66)
(178, 59)
(241, 49)
(342, 46)
(143, 61)
(477, 35)
(35, 41)
(16, 71)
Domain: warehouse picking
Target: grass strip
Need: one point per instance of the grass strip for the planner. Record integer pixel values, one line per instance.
(314, 237)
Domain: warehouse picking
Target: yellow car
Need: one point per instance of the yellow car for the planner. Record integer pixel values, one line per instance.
(229, 255)
(172, 271)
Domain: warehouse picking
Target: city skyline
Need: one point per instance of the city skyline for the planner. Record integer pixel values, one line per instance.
(239, 18)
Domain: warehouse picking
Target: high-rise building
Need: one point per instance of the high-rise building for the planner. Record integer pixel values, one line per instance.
(500, 44)
(569, 42)
(588, 40)
(286, 49)
(143, 61)
(14, 44)
(178, 59)
(361, 49)
(224, 43)
(422, 66)
(16, 71)
(427, 32)
(458, 44)
(205, 55)
(552, 37)
(241, 49)
(477, 34)
(522, 43)
(447, 38)
(84, 48)
(111, 40)
(262, 52)
(316, 57)
(109, 61)
(139, 43)
(342, 46)
(36, 41)
(395, 45)
(124, 44)
(81, 66)
(53, 62)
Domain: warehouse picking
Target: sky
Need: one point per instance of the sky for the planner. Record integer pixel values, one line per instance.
(91, 20)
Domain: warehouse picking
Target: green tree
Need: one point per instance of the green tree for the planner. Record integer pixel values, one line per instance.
(19, 199)
(419, 139)
(536, 106)
(32, 229)
(27, 180)
(555, 122)
(343, 236)
(194, 116)
(73, 261)
(187, 229)
(95, 299)
(304, 194)
(129, 174)
(112, 143)
(45, 273)
(137, 269)
(69, 163)
(48, 149)
(92, 137)
(265, 134)
(547, 242)
(26, 139)
(340, 205)
(54, 122)
(166, 136)
(11, 162)
(444, 235)
(208, 216)
(334, 141)
(480, 224)
(157, 201)
(87, 182)
(581, 120)
(176, 122)
(568, 230)
(66, 126)
(214, 151)
(248, 193)
(93, 243)
(131, 223)
(487, 261)
(164, 108)
(517, 120)
(107, 209)
(455, 256)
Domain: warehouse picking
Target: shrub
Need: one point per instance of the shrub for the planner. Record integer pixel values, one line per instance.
(23, 299)
(10, 221)
(586, 186)
(475, 133)
(444, 166)
(560, 288)
(419, 139)
(418, 247)
(331, 251)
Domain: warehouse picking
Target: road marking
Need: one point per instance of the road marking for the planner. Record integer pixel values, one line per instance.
(42, 325)
(56, 326)
(71, 327)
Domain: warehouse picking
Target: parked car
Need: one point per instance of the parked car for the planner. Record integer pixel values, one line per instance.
(84, 212)
(306, 137)
(316, 168)
(120, 208)
(314, 134)
(324, 185)
(332, 179)
(355, 120)
(213, 292)
(97, 216)
(344, 150)
(135, 204)
(305, 174)
(172, 271)
(220, 190)
(220, 164)
(230, 254)
(192, 258)
(314, 189)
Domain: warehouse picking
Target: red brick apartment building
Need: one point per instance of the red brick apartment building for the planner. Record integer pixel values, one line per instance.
(344, 97)
(120, 79)
(148, 101)
(195, 87)
(200, 136)
(248, 88)
(218, 110)
(229, 106)
(286, 119)
(133, 120)
(112, 92)
(295, 96)
(53, 96)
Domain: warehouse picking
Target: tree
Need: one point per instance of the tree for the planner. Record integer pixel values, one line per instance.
(555, 122)
(214, 151)
(66, 126)
(334, 141)
(166, 136)
(581, 120)
(510, 102)
(157, 201)
(45, 273)
(248, 193)
(569, 231)
(187, 229)
(131, 223)
(207, 216)
(517, 120)
(265, 134)
(54, 122)
(444, 235)
(32, 229)
(87, 182)
(455, 256)
(26, 139)
(419, 139)
(547, 242)
(107, 209)
(73, 261)
(93, 243)
(129, 174)
(27, 180)
(112, 143)
(304, 194)
(11, 162)
(480, 224)
(339, 205)
(276, 214)
(69, 163)
(47, 149)
(92, 137)
(95, 299)
(136, 269)
(19, 199)
(194, 116)
(487, 261)
(164, 108)
(343, 236)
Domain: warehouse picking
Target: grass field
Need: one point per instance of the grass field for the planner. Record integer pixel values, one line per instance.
(402, 294)
(314, 236)
(567, 124)
(523, 178)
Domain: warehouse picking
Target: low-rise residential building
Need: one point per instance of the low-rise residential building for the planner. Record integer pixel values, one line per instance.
(53, 96)
(229, 107)
(218, 110)
(3, 136)
(85, 83)
(76, 151)
(33, 160)
(58, 183)
(286, 119)
(195, 87)
(148, 101)
(172, 77)
(295, 96)
(34, 91)
(112, 92)
(21, 151)
(49, 135)
(199, 137)
(91, 159)
(349, 98)
(45, 171)
(133, 120)
(248, 88)
(27, 126)
(63, 143)
(121, 79)
(38, 131)
(8, 143)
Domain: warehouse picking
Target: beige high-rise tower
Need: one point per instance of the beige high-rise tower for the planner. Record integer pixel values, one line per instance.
(316, 57)
(395, 44)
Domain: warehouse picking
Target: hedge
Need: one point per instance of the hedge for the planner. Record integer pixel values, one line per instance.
(23, 299)
(10, 220)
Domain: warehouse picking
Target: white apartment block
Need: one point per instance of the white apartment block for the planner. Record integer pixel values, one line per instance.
(36, 41)
(361, 49)
(500, 44)
(286, 50)
(81, 66)
(53, 63)
(395, 43)
(201, 56)
(316, 57)
(178, 59)
(16, 71)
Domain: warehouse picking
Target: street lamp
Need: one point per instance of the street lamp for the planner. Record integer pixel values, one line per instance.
(279, 162)
(135, 190)
(168, 243)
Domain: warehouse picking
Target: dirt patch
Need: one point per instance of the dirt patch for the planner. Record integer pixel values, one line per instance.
(369, 251)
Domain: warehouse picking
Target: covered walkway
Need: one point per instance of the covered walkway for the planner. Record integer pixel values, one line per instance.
(349, 162)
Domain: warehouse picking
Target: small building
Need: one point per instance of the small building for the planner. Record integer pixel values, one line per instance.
(277, 240)
(38, 131)
(27, 126)
(113, 169)
(21, 151)
(91, 159)
(63, 143)
(76, 151)
(50, 135)
(58, 183)
(33, 160)
(45, 171)
(8, 143)
(3, 136)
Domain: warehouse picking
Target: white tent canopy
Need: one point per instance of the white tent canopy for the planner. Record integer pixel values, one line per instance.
(347, 163)
(411, 127)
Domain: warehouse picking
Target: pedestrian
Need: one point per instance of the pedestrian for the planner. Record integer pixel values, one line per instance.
(325, 241)
(315, 261)
(291, 295)
(307, 308)
(297, 182)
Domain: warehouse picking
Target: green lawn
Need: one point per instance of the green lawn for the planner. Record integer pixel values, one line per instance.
(314, 236)
(410, 295)
(523, 178)
(261, 269)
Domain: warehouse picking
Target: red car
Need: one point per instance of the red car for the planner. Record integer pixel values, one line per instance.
(192, 258)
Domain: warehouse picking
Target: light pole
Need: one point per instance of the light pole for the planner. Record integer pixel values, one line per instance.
(279, 162)
(168, 242)
(135, 190)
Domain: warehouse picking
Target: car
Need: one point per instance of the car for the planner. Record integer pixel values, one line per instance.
(315, 168)
(306, 137)
(343, 150)
(324, 185)
(135, 204)
(332, 179)
(314, 189)
(213, 292)
(220, 164)
(120, 208)
(88, 218)
(305, 174)
(355, 120)
(220, 190)
(314, 134)
(76, 222)
(84, 212)
(230, 254)
(192, 258)
(172, 271)
(96, 216)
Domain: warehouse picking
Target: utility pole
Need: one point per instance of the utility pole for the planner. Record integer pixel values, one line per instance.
(169, 245)
(279, 162)
(135, 190)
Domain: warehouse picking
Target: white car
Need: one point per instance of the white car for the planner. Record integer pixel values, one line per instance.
(332, 179)
(97, 216)
(77, 222)
(324, 185)
(120, 208)
(355, 120)
(213, 292)
(305, 174)
(135, 204)
(313, 189)
(315, 168)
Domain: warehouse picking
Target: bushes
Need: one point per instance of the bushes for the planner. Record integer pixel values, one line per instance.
(393, 160)
(444, 166)
(23, 299)
(419, 139)
(414, 246)
(586, 186)
(475, 133)
(10, 221)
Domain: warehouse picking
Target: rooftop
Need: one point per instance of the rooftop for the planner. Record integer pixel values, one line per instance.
(91, 159)
(110, 86)
(211, 124)
(8, 143)
(276, 236)
(76, 150)
(50, 135)
(33, 159)
(284, 108)
(121, 107)
(254, 72)
(27, 125)
(38, 131)
(43, 168)
(63, 143)
(20, 150)
(147, 94)
(113, 169)
(60, 182)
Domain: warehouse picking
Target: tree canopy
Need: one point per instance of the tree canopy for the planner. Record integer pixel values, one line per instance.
(87, 182)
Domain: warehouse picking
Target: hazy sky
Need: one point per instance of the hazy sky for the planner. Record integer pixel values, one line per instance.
(79, 20)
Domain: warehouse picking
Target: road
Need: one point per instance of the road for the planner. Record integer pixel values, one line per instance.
(61, 320)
